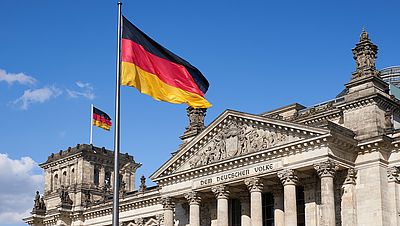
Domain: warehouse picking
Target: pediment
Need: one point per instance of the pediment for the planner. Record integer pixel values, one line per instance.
(234, 134)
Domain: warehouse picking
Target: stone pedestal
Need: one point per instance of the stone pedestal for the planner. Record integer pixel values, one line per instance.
(326, 171)
(279, 214)
(255, 187)
(245, 209)
(222, 194)
(194, 208)
(168, 206)
(289, 179)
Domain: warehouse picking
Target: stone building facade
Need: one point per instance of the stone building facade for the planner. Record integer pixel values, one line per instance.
(336, 163)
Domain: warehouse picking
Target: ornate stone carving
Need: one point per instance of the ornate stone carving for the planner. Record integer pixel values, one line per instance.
(39, 206)
(196, 122)
(167, 202)
(160, 219)
(237, 139)
(139, 221)
(288, 176)
(193, 198)
(351, 176)
(393, 174)
(143, 186)
(326, 169)
(254, 184)
(220, 191)
(365, 54)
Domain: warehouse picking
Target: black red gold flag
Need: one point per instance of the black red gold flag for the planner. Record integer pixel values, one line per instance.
(101, 119)
(159, 73)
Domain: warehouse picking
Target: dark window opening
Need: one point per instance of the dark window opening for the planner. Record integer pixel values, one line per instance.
(268, 209)
(96, 176)
(107, 179)
(301, 218)
(235, 212)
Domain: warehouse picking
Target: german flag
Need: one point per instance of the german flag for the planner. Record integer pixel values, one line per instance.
(101, 119)
(159, 73)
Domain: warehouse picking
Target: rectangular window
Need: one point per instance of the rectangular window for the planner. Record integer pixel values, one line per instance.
(301, 217)
(235, 212)
(268, 209)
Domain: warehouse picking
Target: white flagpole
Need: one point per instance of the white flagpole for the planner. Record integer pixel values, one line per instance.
(91, 124)
(115, 216)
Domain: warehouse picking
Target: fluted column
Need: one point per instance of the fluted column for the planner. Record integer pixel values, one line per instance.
(255, 187)
(168, 206)
(194, 208)
(245, 209)
(393, 181)
(222, 194)
(326, 171)
(279, 214)
(289, 179)
(349, 205)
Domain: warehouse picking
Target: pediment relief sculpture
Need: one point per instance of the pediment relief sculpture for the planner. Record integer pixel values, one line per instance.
(237, 139)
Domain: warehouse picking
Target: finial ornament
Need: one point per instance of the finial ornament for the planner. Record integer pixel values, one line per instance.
(365, 54)
(196, 122)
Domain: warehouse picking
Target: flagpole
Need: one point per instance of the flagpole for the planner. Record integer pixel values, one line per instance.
(91, 124)
(115, 216)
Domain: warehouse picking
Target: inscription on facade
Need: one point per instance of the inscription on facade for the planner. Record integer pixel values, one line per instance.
(243, 172)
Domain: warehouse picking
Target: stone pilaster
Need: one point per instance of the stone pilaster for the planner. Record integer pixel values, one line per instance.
(245, 209)
(102, 175)
(194, 208)
(393, 174)
(349, 204)
(279, 214)
(310, 202)
(289, 179)
(222, 194)
(255, 187)
(326, 171)
(168, 205)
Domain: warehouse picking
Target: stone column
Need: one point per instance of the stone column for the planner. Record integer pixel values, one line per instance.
(102, 176)
(393, 180)
(289, 179)
(255, 187)
(245, 209)
(326, 171)
(168, 206)
(279, 214)
(222, 194)
(349, 204)
(194, 208)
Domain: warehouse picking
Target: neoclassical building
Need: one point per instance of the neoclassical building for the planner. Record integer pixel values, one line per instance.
(336, 163)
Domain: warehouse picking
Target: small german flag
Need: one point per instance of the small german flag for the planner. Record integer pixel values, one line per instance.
(159, 73)
(101, 119)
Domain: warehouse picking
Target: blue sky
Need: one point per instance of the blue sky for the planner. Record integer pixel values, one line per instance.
(58, 57)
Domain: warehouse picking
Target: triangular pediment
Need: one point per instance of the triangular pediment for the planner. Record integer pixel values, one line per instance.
(234, 134)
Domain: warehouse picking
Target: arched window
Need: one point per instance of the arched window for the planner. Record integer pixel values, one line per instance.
(64, 178)
(72, 176)
(55, 181)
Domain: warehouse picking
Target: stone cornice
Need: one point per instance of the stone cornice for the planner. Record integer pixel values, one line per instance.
(384, 101)
(204, 137)
(269, 154)
(380, 143)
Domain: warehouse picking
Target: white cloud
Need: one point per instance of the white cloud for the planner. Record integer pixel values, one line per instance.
(86, 91)
(20, 181)
(37, 96)
(20, 78)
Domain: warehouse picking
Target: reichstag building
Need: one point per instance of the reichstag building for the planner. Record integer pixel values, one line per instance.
(336, 163)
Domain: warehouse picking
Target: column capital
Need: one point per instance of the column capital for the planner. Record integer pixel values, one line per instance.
(167, 202)
(254, 184)
(288, 177)
(351, 176)
(326, 169)
(393, 174)
(220, 191)
(193, 198)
